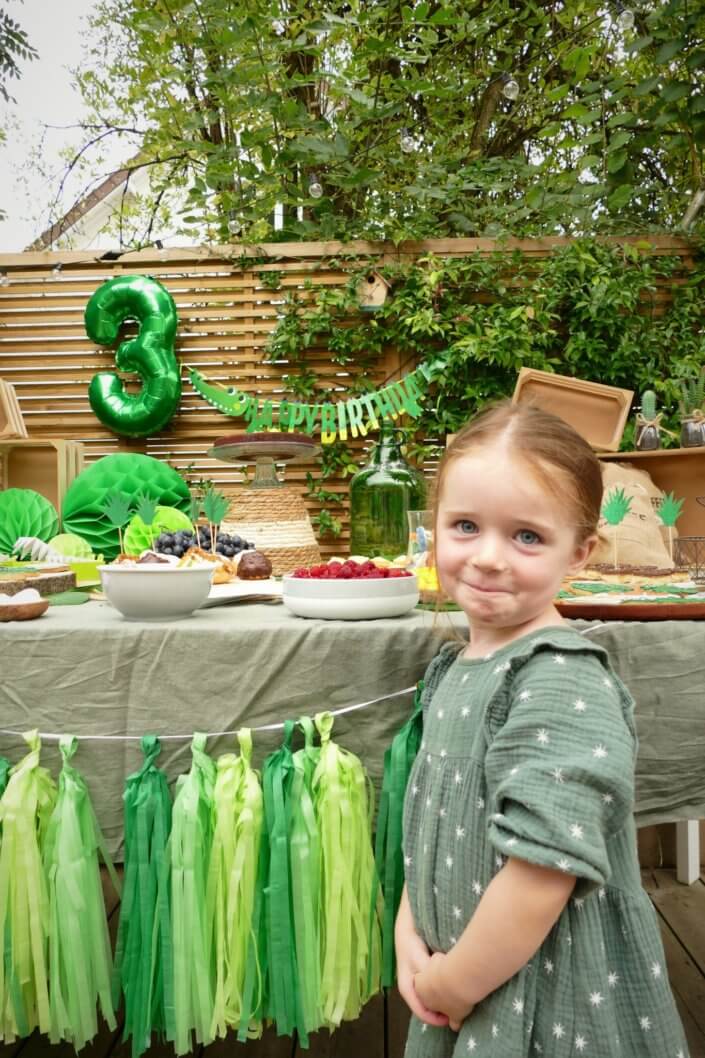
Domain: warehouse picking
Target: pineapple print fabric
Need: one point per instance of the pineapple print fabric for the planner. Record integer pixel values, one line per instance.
(529, 752)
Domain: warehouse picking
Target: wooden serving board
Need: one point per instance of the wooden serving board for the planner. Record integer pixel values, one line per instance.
(48, 583)
(681, 610)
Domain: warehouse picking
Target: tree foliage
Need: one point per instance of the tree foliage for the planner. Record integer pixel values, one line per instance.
(14, 46)
(235, 106)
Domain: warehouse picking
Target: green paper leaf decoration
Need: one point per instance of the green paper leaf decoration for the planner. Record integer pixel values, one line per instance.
(616, 507)
(194, 509)
(669, 509)
(138, 536)
(83, 512)
(117, 508)
(215, 506)
(145, 508)
(24, 512)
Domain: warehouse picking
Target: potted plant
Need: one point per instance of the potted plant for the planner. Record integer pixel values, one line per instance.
(691, 408)
(648, 423)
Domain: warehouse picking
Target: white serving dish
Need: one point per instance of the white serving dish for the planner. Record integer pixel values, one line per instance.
(156, 592)
(350, 600)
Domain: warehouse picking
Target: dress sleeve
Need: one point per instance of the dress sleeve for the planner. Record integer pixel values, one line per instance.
(436, 670)
(560, 764)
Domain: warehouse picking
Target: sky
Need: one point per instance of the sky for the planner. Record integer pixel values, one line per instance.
(44, 97)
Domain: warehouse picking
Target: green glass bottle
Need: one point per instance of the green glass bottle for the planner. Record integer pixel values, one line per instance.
(381, 493)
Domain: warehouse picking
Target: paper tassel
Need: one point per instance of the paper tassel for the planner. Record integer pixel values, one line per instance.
(4, 776)
(283, 1003)
(189, 854)
(350, 942)
(389, 860)
(305, 861)
(234, 904)
(79, 945)
(25, 809)
(143, 956)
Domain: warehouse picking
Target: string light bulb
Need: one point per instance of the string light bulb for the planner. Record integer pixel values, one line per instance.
(234, 225)
(56, 270)
(4, 279)
(315, 187)
(407, 142)
(625, 18)
(510, 87)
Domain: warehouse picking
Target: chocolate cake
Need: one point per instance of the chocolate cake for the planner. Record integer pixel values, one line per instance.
(253, 565)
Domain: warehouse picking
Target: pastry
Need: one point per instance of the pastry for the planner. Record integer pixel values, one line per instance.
(225, 570)
(253, 565)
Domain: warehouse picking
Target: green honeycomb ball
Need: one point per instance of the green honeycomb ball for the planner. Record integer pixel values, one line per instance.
(137, 538)
(82, 512)
(24, 512)
(68, 545)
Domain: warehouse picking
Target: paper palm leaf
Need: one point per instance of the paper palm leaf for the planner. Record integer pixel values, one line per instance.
(215, 506)
(146, 508)
(117, 508)
(194, 510)
(616, 506)
(669, 509)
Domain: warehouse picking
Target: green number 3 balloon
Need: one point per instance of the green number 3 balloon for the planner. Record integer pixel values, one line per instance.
(150, 355)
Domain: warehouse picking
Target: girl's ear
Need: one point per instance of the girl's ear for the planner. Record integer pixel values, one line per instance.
(582, 553)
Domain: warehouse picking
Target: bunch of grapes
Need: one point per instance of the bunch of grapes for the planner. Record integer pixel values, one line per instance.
(178, 543)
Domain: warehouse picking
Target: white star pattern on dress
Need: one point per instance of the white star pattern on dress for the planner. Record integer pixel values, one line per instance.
(518, 1006)
(477, 888)
(601, 893)
(504, 667)
(472, 1044)
(495, 1031)
(465, 678)
(449, 862)
(425, 848)
(580, 1043)
(453, 940)
(440, 714)
(499, 862)
(607, 682)
(458, 777)
(537, 1047)
(443, 753)
(655, 970)
(599, 751)
(524, 696)
(435, 889)
(612, 979)
(428, 758)
(428, 802)
(557, 774)
(576, 831)
(558, 1031)
(596, 999)
(459, 833)
(558, 659)
(607, 798)
(510, 842)
(465, 711)
(579, 705)
(563, 864)
(645, 1023)
(579, 901)
(513, 771)
(442, 813)
(548, 966)
(457, 913)
(542, 736)
(414, 790)
(407, 861)
(480, 802)
(680, 1053)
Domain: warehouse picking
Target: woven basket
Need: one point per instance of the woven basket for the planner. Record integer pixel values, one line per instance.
(277, 523)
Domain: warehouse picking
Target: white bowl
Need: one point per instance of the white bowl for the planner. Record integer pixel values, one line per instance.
(156, 593)
(350, 600)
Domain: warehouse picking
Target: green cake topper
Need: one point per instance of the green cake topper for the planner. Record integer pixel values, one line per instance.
(669, 511)
(117, 508)
(215, 507)
(616, 507)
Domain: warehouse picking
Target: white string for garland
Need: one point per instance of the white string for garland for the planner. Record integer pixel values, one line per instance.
(52, 736)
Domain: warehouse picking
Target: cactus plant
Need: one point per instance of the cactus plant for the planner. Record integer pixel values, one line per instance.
(692, 394)
(648, 404)
(648, 435)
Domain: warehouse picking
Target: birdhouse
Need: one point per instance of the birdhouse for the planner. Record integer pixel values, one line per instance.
(372, 291)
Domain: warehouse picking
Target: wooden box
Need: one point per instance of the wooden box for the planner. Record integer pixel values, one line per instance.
(47, 466)
(677, 470)
(11, 419)
(597, 412)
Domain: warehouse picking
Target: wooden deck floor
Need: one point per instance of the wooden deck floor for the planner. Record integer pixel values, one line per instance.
(381, 1031)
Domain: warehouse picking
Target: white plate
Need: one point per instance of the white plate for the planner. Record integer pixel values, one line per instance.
(243, 591)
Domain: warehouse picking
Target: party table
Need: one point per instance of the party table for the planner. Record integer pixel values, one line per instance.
(86, 670)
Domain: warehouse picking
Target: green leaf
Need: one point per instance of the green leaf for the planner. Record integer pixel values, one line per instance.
(616, 161)
(620, 197)
(669, 49)
(669, 509)
(616, 506)
(145, 508)
(675, 90)
(117, 508)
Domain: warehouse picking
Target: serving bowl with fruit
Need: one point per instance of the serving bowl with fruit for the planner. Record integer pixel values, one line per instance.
(355, 589)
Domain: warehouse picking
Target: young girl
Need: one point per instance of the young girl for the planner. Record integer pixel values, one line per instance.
(523, 928)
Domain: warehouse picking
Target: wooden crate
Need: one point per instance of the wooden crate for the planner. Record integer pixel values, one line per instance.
(11, 420)
(677, 470)
(47, 466)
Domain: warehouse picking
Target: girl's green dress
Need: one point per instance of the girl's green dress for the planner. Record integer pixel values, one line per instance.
(529, 752)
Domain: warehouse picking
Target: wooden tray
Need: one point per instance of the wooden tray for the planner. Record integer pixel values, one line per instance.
(633, 611)
(597, 412)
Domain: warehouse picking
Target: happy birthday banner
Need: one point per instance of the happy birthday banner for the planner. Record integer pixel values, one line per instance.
(353, 416)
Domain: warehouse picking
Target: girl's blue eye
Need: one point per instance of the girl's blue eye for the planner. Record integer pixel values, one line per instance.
(466, 526)
(528, 536)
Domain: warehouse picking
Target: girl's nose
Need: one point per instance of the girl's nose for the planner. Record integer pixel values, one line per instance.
(488, 555)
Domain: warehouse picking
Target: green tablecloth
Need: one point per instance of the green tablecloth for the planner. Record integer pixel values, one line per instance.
(86, 670)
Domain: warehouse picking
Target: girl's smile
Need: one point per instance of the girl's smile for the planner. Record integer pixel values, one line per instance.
(504, 542)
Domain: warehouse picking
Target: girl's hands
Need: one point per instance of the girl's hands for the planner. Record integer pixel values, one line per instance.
(430, 990)
(412, 957)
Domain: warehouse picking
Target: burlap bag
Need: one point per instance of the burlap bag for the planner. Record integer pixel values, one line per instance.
(641, 539)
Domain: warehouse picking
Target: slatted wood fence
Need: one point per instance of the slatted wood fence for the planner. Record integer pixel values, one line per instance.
(226, 315)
